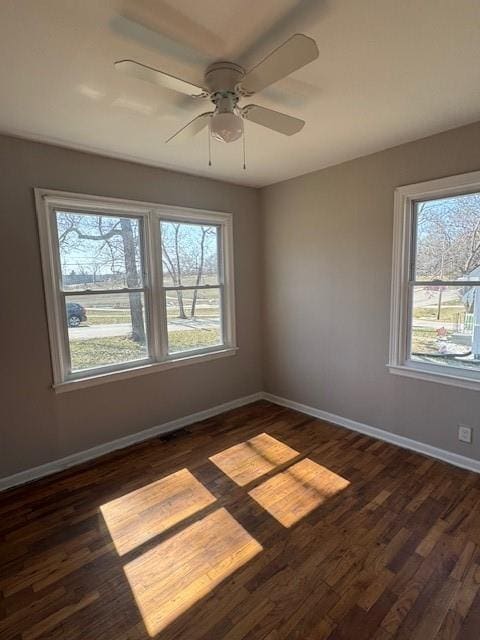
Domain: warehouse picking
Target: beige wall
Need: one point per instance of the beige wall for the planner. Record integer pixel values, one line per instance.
(326, 264)
(327, 252)
(39, 426)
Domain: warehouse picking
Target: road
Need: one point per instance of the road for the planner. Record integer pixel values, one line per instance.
(124, 329)
(435, 324)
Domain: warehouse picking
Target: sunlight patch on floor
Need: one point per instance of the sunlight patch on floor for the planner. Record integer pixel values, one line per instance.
(295, 492)
(170, 578)
(253, 458)
(136, 517)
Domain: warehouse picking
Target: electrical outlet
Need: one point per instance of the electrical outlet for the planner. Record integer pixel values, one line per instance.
(465, 433)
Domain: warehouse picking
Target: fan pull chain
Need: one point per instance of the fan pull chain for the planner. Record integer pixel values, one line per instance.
(244, 153)
(209, 146)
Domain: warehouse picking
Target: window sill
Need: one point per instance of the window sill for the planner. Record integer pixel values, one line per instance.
(433, 375)
(124, 374)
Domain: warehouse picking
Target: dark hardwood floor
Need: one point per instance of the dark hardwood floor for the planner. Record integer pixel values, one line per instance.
(260, 523)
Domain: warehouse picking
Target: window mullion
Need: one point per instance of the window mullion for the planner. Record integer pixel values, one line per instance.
(65, 356)
(158, 313)
(106, 292)
(225, 262)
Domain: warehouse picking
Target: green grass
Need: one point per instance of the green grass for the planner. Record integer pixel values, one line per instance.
(448, 313)
(202, 312)
(424, 340)
(122, 316)
(196, 339)
(99, 316)
(99, 352)
(104, 351)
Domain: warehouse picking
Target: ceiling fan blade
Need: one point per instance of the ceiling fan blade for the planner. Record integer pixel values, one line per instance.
(288, 125)
(296, 52)
(192, 128)
(161, 17)
(141, 71)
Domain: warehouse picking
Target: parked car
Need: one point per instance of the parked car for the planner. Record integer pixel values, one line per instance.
(75, 314)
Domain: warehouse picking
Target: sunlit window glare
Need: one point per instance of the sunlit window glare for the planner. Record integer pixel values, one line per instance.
(253, 458)
(136, 517)
(170, 578)
(295, 492)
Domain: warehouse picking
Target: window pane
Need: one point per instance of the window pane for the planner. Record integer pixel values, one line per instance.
(99, 252)
(448, 238)
(106, 329)
(446, 326)
(189, 254)
(194, 319)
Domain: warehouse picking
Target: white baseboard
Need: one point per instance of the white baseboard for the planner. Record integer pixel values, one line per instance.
(401, 441)
(89, 454)
(95, 452)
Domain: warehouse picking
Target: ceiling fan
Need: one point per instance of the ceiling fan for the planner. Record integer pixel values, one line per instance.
(225, 83)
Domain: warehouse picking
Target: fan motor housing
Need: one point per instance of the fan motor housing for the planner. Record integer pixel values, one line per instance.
(223, 76)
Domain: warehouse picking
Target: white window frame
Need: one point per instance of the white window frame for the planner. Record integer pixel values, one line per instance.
(403, 257)
(151, 214)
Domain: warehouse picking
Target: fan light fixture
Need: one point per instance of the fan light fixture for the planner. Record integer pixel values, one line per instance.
(225, 84)
(226, 127)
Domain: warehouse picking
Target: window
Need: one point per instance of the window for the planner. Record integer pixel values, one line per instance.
(191, 285)
(133, 286)
(435, 319)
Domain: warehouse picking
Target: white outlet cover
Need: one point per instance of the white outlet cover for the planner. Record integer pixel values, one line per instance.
(465, 433)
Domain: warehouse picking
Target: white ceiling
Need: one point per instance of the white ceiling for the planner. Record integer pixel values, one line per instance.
(389, 71)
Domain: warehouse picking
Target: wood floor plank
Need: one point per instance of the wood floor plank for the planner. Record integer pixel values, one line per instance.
(261, 523)
(41, 628)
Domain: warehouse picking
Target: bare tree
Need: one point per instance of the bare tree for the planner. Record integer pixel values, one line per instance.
(449, 237)
(172, 263)
(119, 242)
(184, 256)
(448, 240)
(205, 232)
(133, 280)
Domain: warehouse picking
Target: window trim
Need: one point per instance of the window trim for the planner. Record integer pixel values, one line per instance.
(47, 200)
(402, 256)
